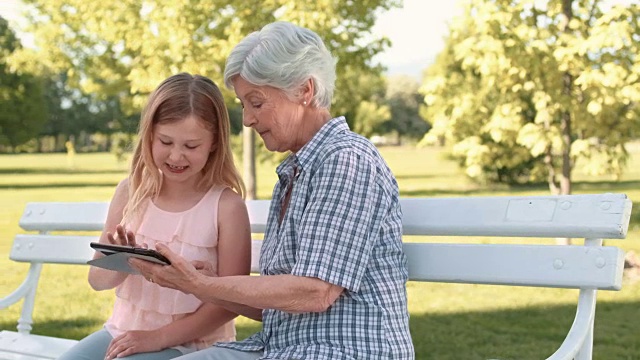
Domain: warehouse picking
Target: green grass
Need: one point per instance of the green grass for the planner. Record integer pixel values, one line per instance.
(448, 321)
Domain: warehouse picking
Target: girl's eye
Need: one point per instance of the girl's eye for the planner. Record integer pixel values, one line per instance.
(165, 142)
(191, 147)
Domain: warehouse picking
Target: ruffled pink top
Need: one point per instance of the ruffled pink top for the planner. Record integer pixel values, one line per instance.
(193, 234)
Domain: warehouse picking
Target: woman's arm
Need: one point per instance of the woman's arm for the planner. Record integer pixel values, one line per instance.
(99, 278)
(290, 293)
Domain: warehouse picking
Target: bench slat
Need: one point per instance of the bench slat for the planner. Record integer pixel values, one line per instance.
(27, 347)
(57, 249)
(52, 216)
(580, 216)
(525, 265)
(67, 249)
(520, 265)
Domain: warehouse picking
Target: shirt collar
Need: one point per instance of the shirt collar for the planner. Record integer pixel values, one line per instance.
(307, 154)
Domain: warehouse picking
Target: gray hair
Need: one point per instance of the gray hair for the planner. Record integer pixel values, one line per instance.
(284, 56)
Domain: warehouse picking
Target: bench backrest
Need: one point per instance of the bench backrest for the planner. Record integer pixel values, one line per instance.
(599, 216)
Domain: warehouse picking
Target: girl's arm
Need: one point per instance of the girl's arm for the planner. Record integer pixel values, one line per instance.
(99, 278)
(234, 246)
(234, 258)
(207, 318)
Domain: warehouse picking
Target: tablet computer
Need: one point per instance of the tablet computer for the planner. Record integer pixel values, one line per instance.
(139, 253)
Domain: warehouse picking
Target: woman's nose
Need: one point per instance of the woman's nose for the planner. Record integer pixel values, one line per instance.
(248, 119)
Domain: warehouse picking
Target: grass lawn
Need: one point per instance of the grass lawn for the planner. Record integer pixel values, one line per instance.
(448, 321)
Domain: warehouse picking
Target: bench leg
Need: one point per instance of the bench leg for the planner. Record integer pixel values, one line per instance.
(581, 330)
(578, 344)
(585, 352)
(26, 316)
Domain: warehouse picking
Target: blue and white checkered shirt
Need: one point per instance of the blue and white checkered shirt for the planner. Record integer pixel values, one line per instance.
(343, 225)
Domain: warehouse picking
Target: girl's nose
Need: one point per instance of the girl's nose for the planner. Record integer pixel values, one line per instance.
(175, 154)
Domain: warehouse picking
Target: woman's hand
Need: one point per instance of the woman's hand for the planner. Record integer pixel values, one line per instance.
(180, 275)
(133, 342)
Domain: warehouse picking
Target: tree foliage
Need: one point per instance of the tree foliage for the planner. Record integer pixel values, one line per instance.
(71, 112)
(125, 48)
(405, 102)
(22, 107)
(367, 94)
(526, 89)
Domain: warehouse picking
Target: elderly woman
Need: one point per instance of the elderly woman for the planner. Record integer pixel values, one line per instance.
(333, 273)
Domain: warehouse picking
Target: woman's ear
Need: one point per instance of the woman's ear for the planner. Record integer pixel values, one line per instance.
(306, 91)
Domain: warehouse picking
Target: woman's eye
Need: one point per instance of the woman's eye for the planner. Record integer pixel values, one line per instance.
(165, 142)
(191, 147)
(257, 106)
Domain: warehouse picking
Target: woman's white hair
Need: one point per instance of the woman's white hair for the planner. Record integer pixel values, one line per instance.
(284, 56)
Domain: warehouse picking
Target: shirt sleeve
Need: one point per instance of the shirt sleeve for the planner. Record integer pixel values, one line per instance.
(341, 222)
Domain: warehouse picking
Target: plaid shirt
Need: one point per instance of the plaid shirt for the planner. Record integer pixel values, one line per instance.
(343, 225)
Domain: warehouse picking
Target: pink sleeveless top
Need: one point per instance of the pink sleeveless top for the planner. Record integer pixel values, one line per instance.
(193, 234)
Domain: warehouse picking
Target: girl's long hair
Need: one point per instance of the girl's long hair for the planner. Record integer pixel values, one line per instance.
(176, 98)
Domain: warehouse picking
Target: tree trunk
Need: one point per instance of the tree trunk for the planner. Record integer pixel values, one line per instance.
(565, 125)
(249, 162)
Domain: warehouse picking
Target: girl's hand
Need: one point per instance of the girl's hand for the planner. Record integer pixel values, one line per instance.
(133, 342)
(122, 237)
(204, 267)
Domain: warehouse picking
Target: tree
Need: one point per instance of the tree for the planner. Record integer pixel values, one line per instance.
(22, 108)
(124, 48)
(367, 93)
(72, 113)
(525, 89)
(404, 100)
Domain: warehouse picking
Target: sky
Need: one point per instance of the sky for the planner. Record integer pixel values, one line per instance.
(416, 31)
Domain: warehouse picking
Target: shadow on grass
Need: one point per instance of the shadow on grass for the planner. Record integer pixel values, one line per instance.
(464, 192)
(57, 171)
(607, 186)
(578, 187)
(58, 185)
(69, 329)
(524, 333)
(415, 176)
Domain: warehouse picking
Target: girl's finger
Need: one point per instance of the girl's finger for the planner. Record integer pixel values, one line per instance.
(131, 238)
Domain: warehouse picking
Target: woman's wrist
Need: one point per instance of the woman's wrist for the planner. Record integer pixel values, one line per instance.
(201, 287)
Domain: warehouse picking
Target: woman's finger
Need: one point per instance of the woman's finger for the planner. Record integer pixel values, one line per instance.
(164, 250)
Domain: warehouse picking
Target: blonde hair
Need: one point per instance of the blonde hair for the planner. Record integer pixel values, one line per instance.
(176, 98)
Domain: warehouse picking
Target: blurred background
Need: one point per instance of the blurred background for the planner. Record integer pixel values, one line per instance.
(520, 91)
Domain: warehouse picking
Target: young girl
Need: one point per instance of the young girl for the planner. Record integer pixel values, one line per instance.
(183, 191)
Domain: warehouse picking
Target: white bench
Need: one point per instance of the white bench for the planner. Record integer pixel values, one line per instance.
(588, 266)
